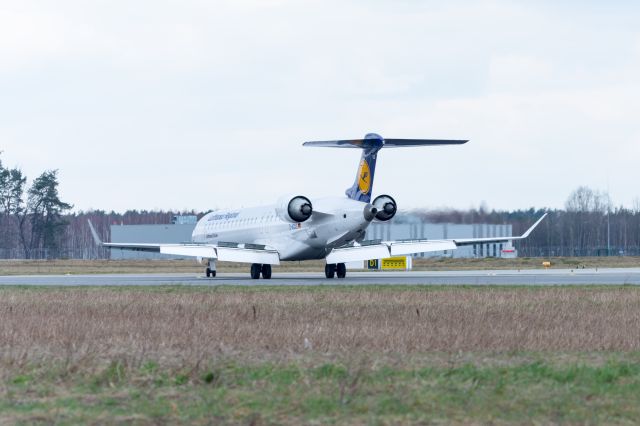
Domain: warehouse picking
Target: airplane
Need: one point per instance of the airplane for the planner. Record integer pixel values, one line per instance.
(299, 228)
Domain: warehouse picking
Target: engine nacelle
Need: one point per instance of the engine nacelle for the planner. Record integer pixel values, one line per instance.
(386, 206)
(294, 209)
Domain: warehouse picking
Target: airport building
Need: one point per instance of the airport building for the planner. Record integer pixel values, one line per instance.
(403, 227)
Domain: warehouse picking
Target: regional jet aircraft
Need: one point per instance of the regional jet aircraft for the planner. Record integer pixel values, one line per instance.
(301, 228)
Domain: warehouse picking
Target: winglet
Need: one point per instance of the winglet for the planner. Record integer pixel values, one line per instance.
(535, 225)
(96, 238)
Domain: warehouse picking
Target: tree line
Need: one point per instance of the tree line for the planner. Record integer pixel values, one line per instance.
(32, 217)
(589, 225)
(36, 224)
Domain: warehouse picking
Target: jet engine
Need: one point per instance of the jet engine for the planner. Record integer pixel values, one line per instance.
(386, 206)
(294, 209)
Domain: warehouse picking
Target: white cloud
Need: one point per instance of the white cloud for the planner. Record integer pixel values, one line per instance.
(133, 99)
(27, 34)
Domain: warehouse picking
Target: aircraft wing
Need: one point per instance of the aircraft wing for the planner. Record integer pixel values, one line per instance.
(226, 252)
(384, 249)
(471, 241)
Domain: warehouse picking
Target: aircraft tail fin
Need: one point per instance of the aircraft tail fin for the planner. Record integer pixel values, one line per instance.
(370, 145)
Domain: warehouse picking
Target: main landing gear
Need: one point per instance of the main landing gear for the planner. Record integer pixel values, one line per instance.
(257, 269)
(333, 269)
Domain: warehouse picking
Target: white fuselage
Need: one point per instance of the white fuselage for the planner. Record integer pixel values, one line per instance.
(335, 221)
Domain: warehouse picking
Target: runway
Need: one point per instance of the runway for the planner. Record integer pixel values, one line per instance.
(629, 276)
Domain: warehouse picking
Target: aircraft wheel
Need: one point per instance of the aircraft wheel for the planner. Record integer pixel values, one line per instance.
(266, 272)
(211, 268)
(255, 270)
(330, 270)
(341, 270)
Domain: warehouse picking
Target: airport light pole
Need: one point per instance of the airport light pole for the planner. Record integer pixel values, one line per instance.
(608, 225)
(608, 232)
(608, 219)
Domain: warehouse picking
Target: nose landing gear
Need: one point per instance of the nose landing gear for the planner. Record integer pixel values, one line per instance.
(211, 269)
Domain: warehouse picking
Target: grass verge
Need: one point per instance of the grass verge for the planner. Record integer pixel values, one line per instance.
(320, 355)
(330, 392)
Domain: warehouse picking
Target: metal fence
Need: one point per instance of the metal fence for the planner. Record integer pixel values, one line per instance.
(538, 251)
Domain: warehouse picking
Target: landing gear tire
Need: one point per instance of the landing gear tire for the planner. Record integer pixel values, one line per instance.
(266, 272)
(341, 270)
(330, 270)
(255, 270)
(211, 269)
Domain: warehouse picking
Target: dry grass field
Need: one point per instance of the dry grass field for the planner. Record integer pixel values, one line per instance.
(269, 355)
(184, 325)
(52, 267)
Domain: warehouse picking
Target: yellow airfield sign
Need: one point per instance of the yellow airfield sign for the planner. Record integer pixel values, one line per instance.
(390, 263)
(394, 263)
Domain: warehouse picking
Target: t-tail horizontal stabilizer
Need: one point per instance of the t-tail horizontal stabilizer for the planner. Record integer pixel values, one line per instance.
(372, 143)
(388, 143)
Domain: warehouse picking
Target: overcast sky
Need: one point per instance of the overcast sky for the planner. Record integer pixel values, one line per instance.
(197, 104)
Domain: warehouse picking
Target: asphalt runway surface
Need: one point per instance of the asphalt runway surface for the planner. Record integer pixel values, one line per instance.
(628, 276)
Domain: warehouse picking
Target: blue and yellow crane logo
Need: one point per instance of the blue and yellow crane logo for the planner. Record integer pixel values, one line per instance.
(364, 177)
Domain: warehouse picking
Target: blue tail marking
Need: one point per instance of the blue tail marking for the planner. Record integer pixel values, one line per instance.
(363, 185)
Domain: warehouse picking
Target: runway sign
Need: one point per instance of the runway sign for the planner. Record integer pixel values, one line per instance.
(391, 263)
(400, 262)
